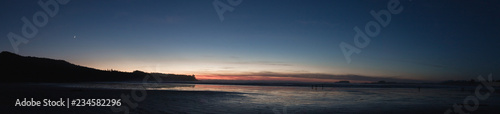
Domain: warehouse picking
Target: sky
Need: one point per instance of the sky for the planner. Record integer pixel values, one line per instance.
(277, 40)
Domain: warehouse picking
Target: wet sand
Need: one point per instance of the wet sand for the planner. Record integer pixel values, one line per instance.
(156, 101)
(248, 99)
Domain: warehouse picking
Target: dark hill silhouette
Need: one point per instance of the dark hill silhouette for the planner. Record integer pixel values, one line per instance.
(16, 68)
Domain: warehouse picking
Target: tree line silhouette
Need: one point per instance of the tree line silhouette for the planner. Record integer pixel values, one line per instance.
(16, 68)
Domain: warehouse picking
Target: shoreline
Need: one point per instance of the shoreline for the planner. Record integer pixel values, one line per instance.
(12, 92)
(366, 100)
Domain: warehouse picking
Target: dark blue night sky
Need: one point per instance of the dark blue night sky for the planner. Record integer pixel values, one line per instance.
(428, 40)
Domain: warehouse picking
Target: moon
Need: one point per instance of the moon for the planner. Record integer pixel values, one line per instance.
(74, 36)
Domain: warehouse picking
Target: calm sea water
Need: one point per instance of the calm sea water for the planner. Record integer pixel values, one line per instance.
(307, 99)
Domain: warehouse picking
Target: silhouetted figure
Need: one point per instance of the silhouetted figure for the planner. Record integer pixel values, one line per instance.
(418, 88)
(463, 89)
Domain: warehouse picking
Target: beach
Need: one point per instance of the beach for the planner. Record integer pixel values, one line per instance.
(213, 98)
(157, 101)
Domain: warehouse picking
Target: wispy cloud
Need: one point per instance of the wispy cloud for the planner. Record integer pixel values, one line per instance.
(263, 63)
(350, 77)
